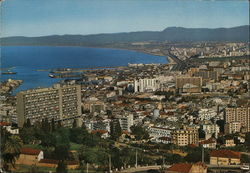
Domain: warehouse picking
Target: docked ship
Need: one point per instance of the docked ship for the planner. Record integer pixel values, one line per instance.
(66, 75)
(9, 72)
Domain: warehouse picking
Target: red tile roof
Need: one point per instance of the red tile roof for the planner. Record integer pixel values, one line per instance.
(2, 123)
(209, 141)
(201, 164)
(180, 168)
(99, 131)
(30, 151)
(225, 154)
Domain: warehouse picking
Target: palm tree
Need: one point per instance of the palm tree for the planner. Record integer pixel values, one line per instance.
(11, 150)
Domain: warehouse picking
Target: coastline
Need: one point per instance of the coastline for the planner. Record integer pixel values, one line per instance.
(99, 47)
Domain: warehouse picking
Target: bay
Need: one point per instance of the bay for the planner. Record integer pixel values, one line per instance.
(28, 60)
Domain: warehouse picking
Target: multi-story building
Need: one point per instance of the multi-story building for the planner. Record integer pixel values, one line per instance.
(232, 127)
(146, 85)
(207, 75)
(157, 132)
(126, 122)
(61, 103)
(194, 82)
(240, 114)
(185, 136)
(93, 106)
(224, 157)
(206, 114)
(210, 130)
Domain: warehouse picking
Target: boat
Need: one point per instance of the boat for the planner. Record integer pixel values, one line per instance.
(245, 167)
(66, 75)
(9, 72)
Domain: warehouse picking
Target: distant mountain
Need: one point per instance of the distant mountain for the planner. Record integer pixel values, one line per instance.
(174, 34)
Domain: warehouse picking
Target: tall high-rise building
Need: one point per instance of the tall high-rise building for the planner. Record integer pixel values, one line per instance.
(241, 115)
(61, 103)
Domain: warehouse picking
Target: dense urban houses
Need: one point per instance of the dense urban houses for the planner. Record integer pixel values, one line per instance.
(189, 84)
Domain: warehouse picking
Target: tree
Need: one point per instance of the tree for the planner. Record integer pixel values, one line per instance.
(61, 167)
(62, 144)
(247, 140)
(53, 127)
(11, 148)
(45, 125)
(115, 129)
(245, 158)
(139, 132)
(27, 135)
(221, 124)
(74, 124)
(173, 158)
(27, 124)
(78, 135)
(202, 133)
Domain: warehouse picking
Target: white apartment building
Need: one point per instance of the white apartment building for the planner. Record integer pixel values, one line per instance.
(146, 85)
(211, 129)
(206, 114)
(126, 122)
(157, 132)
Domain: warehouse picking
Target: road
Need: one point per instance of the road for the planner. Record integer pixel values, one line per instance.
(138, 169)
(180, 65)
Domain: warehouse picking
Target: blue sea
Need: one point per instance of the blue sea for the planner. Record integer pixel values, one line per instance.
(27, 60)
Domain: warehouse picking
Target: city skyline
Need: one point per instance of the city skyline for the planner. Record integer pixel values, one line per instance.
(40, 18)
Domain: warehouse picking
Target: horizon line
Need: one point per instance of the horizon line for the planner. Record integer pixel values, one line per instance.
(124, 31)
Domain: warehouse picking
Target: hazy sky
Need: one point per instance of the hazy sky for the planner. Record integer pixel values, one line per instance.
(48, 17)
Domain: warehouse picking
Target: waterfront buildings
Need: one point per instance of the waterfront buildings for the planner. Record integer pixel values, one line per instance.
(61, 103)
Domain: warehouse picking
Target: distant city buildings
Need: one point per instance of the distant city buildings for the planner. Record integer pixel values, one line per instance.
(146, 85)
(61, 103)
(188, 84)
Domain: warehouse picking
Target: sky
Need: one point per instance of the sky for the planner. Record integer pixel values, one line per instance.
(59, 17)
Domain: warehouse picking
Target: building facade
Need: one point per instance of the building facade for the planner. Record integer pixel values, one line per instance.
(185, 136)
(195, 84)
(126, 122)
(210, 130)
(146, 85)
(61, 103)
(239, 114)
(224, 157)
